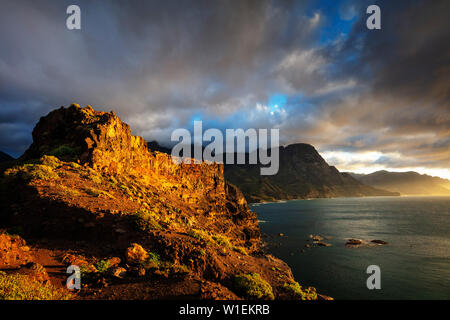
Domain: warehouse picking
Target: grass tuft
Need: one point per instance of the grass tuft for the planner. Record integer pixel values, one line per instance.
(22, 287)
(252, 286)
(303, 294)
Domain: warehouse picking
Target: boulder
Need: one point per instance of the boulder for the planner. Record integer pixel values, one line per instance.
(136, 254)
(117, 272)
(35, 271)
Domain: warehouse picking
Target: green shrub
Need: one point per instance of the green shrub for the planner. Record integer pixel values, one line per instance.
(153, 261)
(32, 171)
(222, 240)
(22, 287)
(200, 235)
(103, 266)
(303, 294)
(51, 161)
(252, 286)
(145, 221)
(64, 152)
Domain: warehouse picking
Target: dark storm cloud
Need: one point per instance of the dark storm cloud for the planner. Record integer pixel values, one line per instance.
(151, 61)
(402, 104)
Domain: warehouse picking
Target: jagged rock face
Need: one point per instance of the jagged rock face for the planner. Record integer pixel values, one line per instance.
(100, 139)
(103, 142)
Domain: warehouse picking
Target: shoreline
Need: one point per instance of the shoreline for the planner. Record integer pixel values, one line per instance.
(378, 197)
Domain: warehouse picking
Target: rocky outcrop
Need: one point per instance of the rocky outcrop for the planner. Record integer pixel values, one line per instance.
(94, 191)
(102, 141)
(13, 251)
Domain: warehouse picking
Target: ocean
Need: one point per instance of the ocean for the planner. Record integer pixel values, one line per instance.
(415, 264)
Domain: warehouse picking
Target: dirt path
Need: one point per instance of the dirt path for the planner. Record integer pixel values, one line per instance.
(50, 260)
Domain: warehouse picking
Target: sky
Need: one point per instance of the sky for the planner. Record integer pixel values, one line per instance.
(366, 99)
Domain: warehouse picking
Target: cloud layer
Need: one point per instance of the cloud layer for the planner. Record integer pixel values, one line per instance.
(161, 64)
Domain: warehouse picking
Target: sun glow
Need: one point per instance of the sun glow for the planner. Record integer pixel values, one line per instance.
(371, 161)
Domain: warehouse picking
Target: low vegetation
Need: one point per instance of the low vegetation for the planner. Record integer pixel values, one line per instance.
(65, 152)
(32, 171)
(103, 266)
(252, 286)
(302, 293)
(22, 287)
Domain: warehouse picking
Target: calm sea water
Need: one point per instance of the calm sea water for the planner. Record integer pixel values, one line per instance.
(415, 264)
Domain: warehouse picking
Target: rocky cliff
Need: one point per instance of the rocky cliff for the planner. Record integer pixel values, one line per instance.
(303, 173)
(89, 193)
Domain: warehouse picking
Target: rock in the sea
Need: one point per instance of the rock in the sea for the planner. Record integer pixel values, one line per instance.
(315, 237)
(353, 242)
(380, 242)
(323, 244)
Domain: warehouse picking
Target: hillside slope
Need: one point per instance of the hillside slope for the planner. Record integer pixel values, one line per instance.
(4, 157)
(88, 193)
(303, 173)
(407, 183)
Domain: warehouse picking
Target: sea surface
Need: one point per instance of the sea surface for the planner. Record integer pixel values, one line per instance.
(414, 265)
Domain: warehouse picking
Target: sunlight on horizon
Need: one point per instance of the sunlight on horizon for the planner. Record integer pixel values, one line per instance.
(369, 162)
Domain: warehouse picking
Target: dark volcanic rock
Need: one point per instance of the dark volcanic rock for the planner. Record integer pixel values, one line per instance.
(379, 241)
(353, 242)
(4, 157)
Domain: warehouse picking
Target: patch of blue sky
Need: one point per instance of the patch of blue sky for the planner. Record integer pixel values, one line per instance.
(277, 102)
(339, 19)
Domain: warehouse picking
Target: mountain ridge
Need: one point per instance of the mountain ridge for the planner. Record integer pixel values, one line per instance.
(302, 174)
(4, 157)
(407, 183)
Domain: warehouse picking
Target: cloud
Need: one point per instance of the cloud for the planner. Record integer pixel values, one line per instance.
(158, 64)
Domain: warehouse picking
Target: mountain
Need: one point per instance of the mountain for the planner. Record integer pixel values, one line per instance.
(303, 173)
(155, 146)
(407, 183)
(4, 157)
(88, 193)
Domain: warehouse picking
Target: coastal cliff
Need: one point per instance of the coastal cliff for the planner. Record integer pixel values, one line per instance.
(88, 193)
